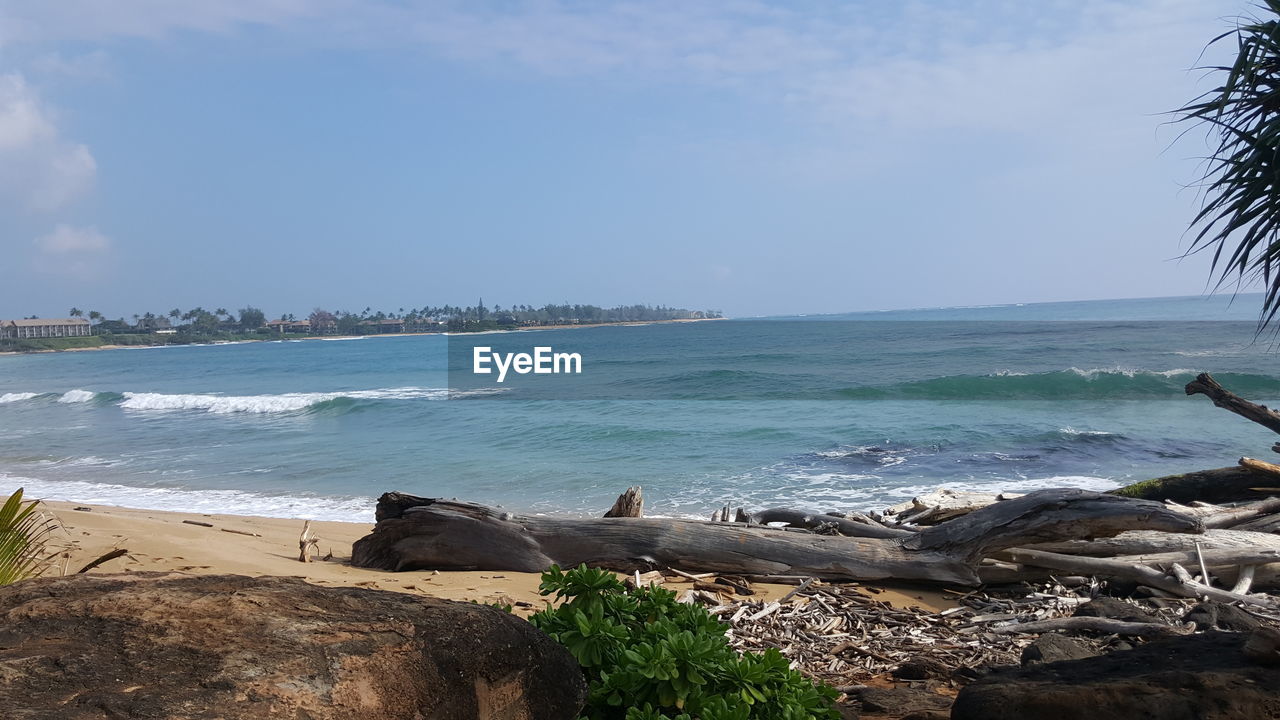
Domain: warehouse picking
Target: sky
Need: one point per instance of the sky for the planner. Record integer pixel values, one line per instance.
(751, 157)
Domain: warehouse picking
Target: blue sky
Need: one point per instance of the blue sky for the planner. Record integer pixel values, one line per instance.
(759, 158)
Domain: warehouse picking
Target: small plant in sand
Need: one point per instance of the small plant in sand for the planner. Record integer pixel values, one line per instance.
(649, 657)
(23, 532)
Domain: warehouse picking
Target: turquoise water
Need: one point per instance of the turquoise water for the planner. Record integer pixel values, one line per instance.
(836, 412)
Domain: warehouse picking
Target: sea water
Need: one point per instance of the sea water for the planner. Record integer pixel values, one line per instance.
(832, 412)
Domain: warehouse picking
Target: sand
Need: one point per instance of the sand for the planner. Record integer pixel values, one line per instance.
(168, 541)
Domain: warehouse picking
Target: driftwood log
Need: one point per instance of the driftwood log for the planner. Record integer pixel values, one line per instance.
(1217, 485)
(1204, 384)
(422, 533)
(860, 526)
(629, 504)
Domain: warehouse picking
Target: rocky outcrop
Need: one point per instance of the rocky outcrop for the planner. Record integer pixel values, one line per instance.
(153, 645)
(1207, 677)
(1116, 609)
(1213, 615)
(1052, 647)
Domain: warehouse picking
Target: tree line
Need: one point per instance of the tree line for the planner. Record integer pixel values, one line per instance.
(343, 322)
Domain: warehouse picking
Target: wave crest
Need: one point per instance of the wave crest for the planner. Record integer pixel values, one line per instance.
(1069, 383)
(271, 404)
(17, 397)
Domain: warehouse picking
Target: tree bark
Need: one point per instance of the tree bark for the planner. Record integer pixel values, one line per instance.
(420, 533)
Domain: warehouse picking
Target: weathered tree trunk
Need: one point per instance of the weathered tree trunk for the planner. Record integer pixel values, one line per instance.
(629, 504)
(1136, 569)
(816, 521)
(420, 533)
(1142, 542)
(1261, 466)
(1204, 384)
(941, 505)
(1218, 485)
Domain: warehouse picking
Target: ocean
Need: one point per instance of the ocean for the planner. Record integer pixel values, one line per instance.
(834, 412)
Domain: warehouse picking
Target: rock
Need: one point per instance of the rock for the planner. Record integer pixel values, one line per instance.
(157, 645)
(1204, 676)
(921, 668)
(1211, 615)
(1263, 646)
(1109, 607)
(901, 701)
(1052, 647)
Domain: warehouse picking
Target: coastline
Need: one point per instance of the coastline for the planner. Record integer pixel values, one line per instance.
(99, 348)
(210, 543)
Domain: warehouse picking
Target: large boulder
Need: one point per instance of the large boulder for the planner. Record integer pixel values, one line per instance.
(1194, 677)
(1052, 647)
(157, 645)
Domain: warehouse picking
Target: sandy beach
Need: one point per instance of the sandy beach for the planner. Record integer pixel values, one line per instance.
(170, 541)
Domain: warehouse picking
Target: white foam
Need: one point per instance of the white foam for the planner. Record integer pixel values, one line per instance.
(886, 458)
(1068, 430)
(16, 397)
(1009, 485)
(77, 396)
(224, 502)
(1094, 373)
(283, 403)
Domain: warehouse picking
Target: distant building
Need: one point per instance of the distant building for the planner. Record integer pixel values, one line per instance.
(386, 325)
(44, 328)
(290, 326)
(154, 324)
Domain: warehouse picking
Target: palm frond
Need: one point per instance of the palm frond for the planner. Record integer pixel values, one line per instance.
(1239, 218)
(23, 532)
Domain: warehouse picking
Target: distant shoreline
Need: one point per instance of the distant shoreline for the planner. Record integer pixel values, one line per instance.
(276, 338)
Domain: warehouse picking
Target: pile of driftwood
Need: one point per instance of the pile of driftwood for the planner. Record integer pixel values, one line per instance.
(1210, 534)
(843, 635)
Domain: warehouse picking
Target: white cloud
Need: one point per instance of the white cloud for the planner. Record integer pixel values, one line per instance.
(25, 22)
(93, 65)
(39, 170)
(68, 240)
(959, 62)
(76, 253)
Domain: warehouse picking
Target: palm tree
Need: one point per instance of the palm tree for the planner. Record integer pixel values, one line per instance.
(23, 532)
(95, 316)
(1239, 217)
(75, 312)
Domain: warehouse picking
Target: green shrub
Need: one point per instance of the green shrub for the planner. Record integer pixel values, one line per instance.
(648, 657)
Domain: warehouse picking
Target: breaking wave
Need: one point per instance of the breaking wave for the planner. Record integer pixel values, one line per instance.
(252, 404)
(1069, 383)
(224, 502)
(17, 397)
